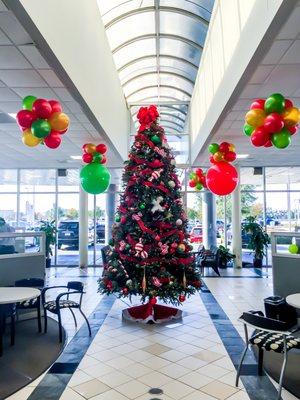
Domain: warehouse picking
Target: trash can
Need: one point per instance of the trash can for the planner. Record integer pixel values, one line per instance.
(277, 308)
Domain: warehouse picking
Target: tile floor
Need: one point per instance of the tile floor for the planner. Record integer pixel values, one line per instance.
(186, 360)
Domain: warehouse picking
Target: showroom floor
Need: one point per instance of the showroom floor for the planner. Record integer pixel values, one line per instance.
(192, 359)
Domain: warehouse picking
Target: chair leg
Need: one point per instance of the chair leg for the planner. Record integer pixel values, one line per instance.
(87, 322)
(39, 317)
(282, 370)
(59, 326)
(260, 361)
(75, 321)
(45, 321)
(240, 366)
(12, 330)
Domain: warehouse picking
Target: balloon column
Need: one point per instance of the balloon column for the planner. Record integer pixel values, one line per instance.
(197, 179)
(272, 122)
(94, 177)
(42, 122)
(222, 177)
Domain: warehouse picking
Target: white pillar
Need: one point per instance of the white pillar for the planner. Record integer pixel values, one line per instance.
(236, 225)
(83, 228)
(209, 219)
(110, 211)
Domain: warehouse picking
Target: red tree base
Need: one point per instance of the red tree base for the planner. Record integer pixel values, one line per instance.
(148, 313)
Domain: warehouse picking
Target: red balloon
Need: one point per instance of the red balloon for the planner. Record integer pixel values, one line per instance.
(87, 158)
(42, 108)
(62, 132)
(212, 160)
(258, 103)
(192, 184)
(53, 140)
(293, 129)
(103, 161)
(222, 178)
(230, 156)
(224, 147)
(268, 144)
(55, 105)
(25, 118)
(288, 103)
(273, 123)
(202, 179)
(259, 137)
(101, 148)
(199, 172)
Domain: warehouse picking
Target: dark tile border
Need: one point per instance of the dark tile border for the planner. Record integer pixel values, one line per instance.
(56, 379)
(257, 387)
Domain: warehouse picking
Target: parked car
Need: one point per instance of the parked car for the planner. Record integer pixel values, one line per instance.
(196, 235)
(68, 234)
(100, 230)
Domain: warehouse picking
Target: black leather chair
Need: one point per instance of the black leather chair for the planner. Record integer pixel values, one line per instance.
(7, 311)
(34, 304)
(55, 306)
(269, 335)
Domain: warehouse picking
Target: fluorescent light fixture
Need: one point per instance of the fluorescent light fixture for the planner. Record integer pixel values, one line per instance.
(13, 115)
(240, 156)
(76, 157)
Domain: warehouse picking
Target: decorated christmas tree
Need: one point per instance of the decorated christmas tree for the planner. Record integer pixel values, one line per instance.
(150, 253)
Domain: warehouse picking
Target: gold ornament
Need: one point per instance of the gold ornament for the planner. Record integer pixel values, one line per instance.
(144, 284)
(184, 280)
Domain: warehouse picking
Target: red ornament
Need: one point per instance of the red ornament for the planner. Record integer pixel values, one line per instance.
(109, 285)
(56, 106)
(101, 148)
(87, 158)
(259, 137)
(181, 298)
(222, 178)
(157, 237)
(25, 118)
(42, 108)
(53, 140)
(273, 123)
(156, 164)
(125, 291)
(123, 220)
(153, 301)
(258, 104)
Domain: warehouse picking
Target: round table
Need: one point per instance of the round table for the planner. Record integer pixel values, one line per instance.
(11, 295)
(294, 300)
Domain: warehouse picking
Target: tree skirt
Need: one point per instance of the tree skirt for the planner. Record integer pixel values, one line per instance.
(148, 313)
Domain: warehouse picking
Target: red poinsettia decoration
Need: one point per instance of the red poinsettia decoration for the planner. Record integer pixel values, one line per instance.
(146, 116)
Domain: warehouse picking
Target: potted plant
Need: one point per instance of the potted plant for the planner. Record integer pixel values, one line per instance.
(50, 236)
(258, 240)
(224, 256)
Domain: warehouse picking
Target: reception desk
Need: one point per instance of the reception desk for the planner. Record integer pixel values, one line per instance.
(286, 266)
(22, 255)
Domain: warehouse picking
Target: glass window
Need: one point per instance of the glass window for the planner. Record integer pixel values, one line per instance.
(8, 208)
(277, 178)
(138, 49)
(249, 180)
(114, 8)
(145, 65)
(202, 8)
(37, 180)
(294, 178)
(70, 182)
(8, 180)
(144, 93)
(35, 207)
(277, 211)
(140, 82)
(252, 204)
(295, 211)
(170, 46)
(176, 64)
(194, 214)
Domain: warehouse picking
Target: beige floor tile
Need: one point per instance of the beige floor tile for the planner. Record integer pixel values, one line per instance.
(70, 394)
(78, 378)
(229, 379)
(224, 362)
(188, 349)
(124, 349)
(138, 355)
(22, 394)
(177, 390)
(115, 378)
(155, 362)
(174, 370)
(87, 361)
(191, 363)
(120, 362)
(241, 395)
(195, 380)
(133, 389)
(219, 390)
(99, 369)
(105, 355)
(91, 388)
(197, 395)
(213, 371)
(156, 349)
(136, 370)
(109, 395)
(209, 356)
(173, 355)
(155, 379)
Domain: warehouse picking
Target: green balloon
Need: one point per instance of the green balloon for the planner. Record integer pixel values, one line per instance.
(40, 128)
(213, 148)
(248, 129)
(275, 103)
(199, 186)
(282, 139)
(192, 176)
(28, 102)
(94, 178)
(97, 157)
(293, 248)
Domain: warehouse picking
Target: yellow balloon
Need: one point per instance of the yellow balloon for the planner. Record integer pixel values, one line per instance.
(255, 117)
(59, 121)
(232, 147)
(90, 148)
(218, 156)
(29, 139)
(291, 116)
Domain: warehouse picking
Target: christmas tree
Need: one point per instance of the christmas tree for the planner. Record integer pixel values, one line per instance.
(150, 253)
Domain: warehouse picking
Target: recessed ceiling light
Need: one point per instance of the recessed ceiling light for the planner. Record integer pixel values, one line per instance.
(242, 156)
(76, 157)
(12, 115)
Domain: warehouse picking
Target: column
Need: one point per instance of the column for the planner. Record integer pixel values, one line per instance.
(110, 211)
(209, 219)
(236, 225)
(83, 229)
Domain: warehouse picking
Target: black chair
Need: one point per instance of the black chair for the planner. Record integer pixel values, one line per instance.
(54, 306)
(269, 335)
(34, 304)
(208, 259)
(7, 311)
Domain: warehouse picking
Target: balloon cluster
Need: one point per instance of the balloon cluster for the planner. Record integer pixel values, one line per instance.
(222, 177)
(42, 122)
(272, 122)
(222, 152)
(94, 177)
(197, 179)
